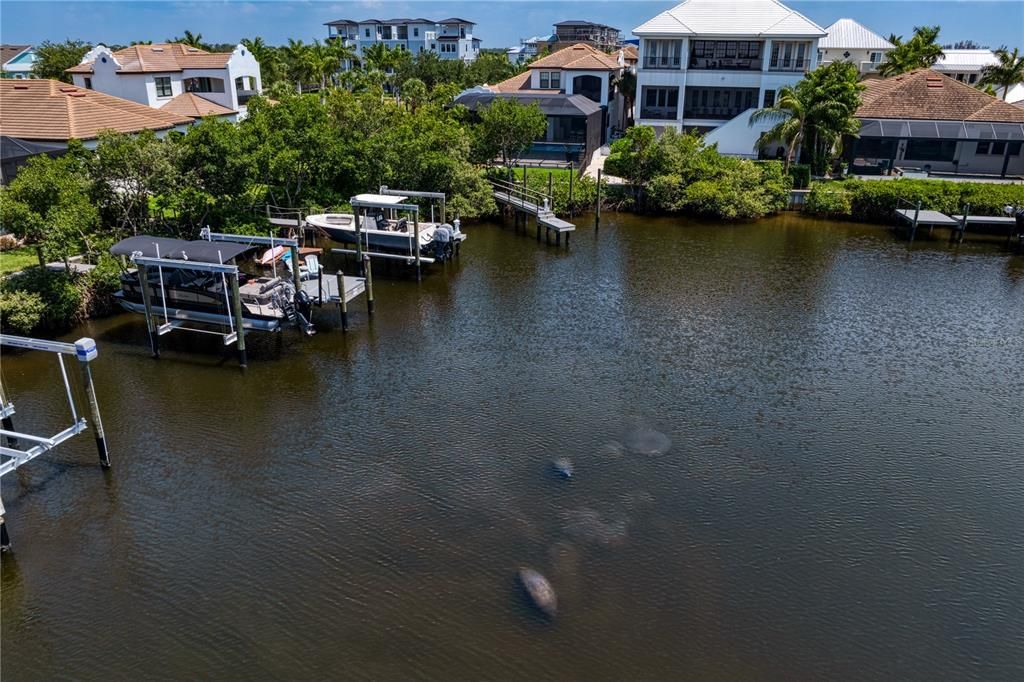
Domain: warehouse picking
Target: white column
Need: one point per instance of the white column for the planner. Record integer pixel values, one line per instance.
(767, 55)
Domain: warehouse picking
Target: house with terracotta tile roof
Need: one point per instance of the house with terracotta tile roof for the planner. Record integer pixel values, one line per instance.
(929, 121)
(180, 76)
(43, 115)
(705, 62)
(575, 87)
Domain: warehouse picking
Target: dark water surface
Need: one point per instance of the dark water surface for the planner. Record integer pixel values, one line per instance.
(843, 497)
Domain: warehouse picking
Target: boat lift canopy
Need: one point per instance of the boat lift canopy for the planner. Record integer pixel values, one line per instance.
(201, 251)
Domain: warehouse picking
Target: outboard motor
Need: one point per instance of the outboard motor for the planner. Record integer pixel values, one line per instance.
(442, 244)
(304, 311)
(456, 227)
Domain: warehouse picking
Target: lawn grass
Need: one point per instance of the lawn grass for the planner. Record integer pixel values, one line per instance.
(17, 259)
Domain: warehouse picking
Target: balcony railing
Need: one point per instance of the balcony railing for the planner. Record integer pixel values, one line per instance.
(726, 64)
(246, 95)
(789, 65)
(661, 113)
(662, 62)
(715, 113)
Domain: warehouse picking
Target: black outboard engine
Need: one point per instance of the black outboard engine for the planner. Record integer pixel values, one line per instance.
(304, 310)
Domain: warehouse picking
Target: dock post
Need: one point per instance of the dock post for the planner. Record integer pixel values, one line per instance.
(342, 303)
(572, 172)
(369, 285)
(236, 304)
(551, 193)
(296, 275)
(538, 228)
(963, 225)
(5, 540)
(86, 351)
(154, 338)
(416, 236)
(8, 423)
(320, 286)
(360, 216)
(597, 202)
(913, 225)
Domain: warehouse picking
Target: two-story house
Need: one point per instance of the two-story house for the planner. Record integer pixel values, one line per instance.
(175, 77)
(448, 38)
(17, 61)
(968, 66)
(705, 62)
(575, 87)
(849, 41)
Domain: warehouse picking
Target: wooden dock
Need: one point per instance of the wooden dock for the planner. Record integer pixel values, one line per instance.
(526, 202)
(911, 216)
(325, 289)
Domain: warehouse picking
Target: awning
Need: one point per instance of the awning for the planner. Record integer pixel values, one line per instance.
(179, 249)
(940, 130)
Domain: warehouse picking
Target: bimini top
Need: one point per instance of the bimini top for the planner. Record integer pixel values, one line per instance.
(378, 199)
(200, 251)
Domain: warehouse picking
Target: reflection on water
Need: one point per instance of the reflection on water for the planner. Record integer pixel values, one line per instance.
(796, 450)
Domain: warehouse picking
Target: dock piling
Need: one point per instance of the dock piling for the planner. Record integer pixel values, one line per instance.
(86, 349)
(572, 172)
(154, 338)
(5, 539)
(236, 304)
(369, 285)
(7, 409)
(342, 303)
(597, 202)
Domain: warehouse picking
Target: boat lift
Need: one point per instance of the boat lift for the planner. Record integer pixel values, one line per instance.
(11, 455)
(341, 290)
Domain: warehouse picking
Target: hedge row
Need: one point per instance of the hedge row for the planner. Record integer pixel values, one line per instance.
(874, 201)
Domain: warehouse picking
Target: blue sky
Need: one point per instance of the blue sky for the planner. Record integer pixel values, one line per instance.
(500, 23)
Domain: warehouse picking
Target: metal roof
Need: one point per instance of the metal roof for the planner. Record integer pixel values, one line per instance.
(725, 18)
(944, 130)
(200, 251)
(847, 33)
(965, 60)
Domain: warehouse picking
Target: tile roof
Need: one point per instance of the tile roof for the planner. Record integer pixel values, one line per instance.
(517, 83)
(50, 110)
(730, 18)
(9, 52)
(847, 33)
(191, 104)
(580, 57)
(161, 58)
(630, 53)
(927, 95)
(551, 103)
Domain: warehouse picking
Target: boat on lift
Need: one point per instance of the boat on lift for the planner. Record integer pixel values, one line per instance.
(383, 227)
(182, 295)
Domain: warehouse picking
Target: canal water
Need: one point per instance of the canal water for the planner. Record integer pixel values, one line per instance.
(798, 450)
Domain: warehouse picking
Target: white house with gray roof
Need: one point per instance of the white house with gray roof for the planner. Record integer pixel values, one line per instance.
(450, 38)
(850, 41)
(705, 62)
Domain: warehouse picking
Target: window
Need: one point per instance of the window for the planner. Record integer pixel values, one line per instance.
(972, 78)
(415, 32)
(875, 58)
(1015, 148)
(163, 86)
(556, 80)
(88, 83)
(662, 54)
(997, 148)
(769, 98)
(367, 33)
(659, 103)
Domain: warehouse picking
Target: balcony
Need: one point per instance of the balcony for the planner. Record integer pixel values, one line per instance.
(662, 62)
(790, 65)
(725, 64)
(664, 113)
(718, 103)
(245, 95)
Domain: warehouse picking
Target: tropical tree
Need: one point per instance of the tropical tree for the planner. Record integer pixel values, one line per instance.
(191, 39)
(789, 115)
(296, 62)
(127, 170)
(920, 52)
(819, 111)
(54, 59)
(321, 63)
(413, 92)
(272, 64)
(626, 84)
(1007, 72)
(507, 129)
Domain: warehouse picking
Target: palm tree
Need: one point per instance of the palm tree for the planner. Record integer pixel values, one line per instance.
(626, 83)
(190, 39)
(920, 52)
(790, 118)
(413, 92)
(320, 64)
(1006, 73)
(296, 62)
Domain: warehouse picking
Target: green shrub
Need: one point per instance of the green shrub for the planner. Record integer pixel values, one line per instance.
(828, 199)
(21, 311)
(60, 292)
(875, 200)
(801, 174)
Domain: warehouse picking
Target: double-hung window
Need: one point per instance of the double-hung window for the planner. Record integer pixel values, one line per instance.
(163, 86)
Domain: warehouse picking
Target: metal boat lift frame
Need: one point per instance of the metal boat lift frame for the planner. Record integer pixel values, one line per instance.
(85, 351)
(360, 208)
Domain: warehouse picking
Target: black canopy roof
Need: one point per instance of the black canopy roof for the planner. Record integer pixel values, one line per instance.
(179, 249)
